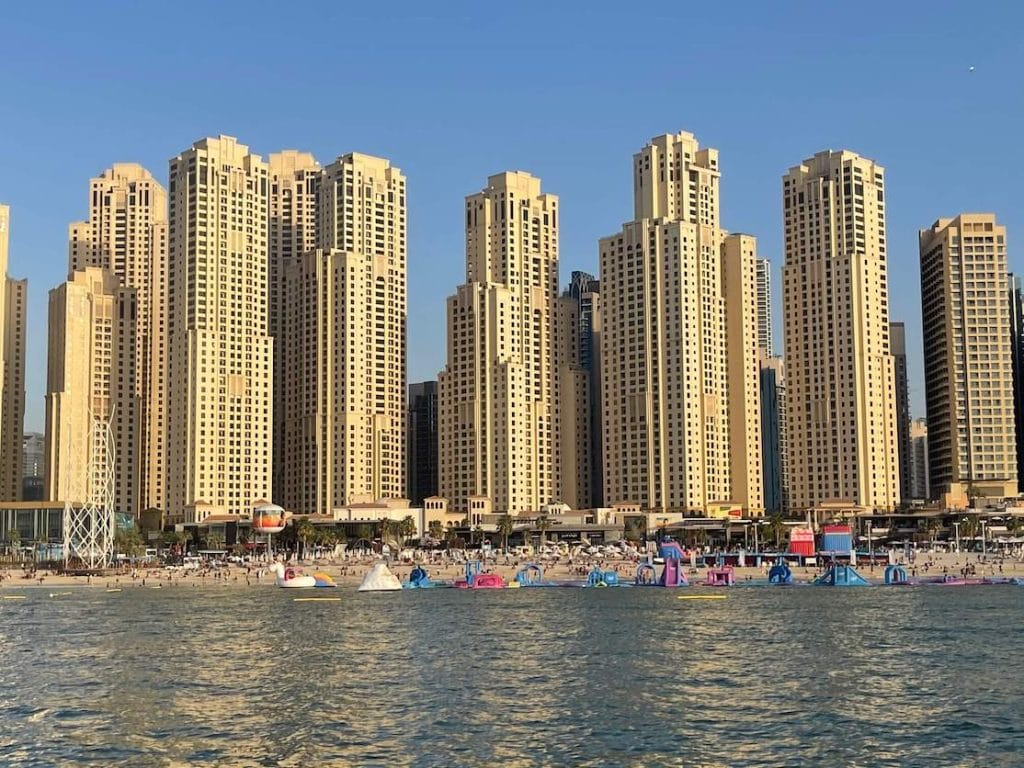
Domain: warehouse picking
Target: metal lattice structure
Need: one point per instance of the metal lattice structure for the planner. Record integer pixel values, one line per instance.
(89, 530)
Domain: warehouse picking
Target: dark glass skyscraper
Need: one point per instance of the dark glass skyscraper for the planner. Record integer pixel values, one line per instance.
(586, 289)
(421, 441)
(898, 350)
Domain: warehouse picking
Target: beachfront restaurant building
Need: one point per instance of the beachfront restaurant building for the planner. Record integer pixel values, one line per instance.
(39, 526)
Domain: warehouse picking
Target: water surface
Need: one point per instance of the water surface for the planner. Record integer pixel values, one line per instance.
(538, 677)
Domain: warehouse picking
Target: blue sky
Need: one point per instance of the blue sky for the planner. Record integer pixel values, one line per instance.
(453, 92)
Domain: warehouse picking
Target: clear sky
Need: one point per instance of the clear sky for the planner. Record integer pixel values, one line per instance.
(452, 92)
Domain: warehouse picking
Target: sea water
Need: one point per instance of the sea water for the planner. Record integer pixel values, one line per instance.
(532, 677)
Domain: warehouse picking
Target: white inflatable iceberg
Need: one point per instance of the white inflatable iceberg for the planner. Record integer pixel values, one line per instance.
(380, 579)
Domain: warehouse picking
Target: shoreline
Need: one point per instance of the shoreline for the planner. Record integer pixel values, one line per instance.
(350, 573)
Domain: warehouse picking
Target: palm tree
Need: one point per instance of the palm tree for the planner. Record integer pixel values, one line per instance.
(128, 542)
(1013, 525)
(478, 530)
(543, 526)
(214, 540)
(304, 533)
(970, 526)
(777, 528)
(365, 532)
(406, 530)
(12, 537)
(389, 532)
(505, 528)
(436, 530)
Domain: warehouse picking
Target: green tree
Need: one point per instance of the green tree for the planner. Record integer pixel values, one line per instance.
(970, 527)
(214, 540)
(128, 542)
(477, 534)
(543, 526)
(305, 531)
(365, 532)
(436, 530)
(777, 529)
(1013, 525)
(506, 525)
(12, 537)
(406, 530)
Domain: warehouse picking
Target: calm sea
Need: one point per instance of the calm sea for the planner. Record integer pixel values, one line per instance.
(541, 677)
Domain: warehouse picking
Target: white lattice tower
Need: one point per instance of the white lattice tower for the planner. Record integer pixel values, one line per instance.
(89, 531)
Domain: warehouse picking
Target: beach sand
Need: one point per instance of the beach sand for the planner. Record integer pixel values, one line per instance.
(350, 573)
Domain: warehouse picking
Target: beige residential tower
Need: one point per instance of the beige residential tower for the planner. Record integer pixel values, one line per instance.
(498, 394)
(840, 398)
(344, 314)
(126, 234)
(668, 396)
(220, 389)
(968, 358)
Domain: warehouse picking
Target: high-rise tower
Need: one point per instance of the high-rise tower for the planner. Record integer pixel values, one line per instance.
(220, 353)
(664, 354)
(498, 392)
(840, 392)
(13, 300)
(898, 346)
(968, 360)
(126, 234)
(344, 343)
(90, 379)
(294, 192)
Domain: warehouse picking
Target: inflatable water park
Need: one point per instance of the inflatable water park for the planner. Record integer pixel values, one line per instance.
(672, 567)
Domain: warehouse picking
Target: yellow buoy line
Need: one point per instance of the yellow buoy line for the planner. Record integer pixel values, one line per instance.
(700, 597)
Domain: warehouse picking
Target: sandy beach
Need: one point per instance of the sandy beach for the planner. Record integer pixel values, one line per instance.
(349, 573)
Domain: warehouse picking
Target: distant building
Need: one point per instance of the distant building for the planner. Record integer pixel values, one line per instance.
(343, 342)
(421, 441)
(764, 307)
(220, 354)
(968, 358)
(919, 461)
(13, 299)
(90, 377)
(679, 372)
(840, 395)
(33, 466)
(773, 436)
(499, 390)
(898, 350)
(1016, 297)
(126, 234)
(585, 289)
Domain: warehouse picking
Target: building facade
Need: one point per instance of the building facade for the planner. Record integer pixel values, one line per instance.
(421, 442)
(294, 192)
(919, 460)
(498, 391)
(764, 308)
(585, 290)
(774, 455)
(840, 391)
(126, 234)
(220, 370)
(968, 357)
(742, 288)
(344, 351)
(898, 347)
(574, 407)
(34, 466)
(1016, 300)
(90, 379)
(13, 300)
(664, 353)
